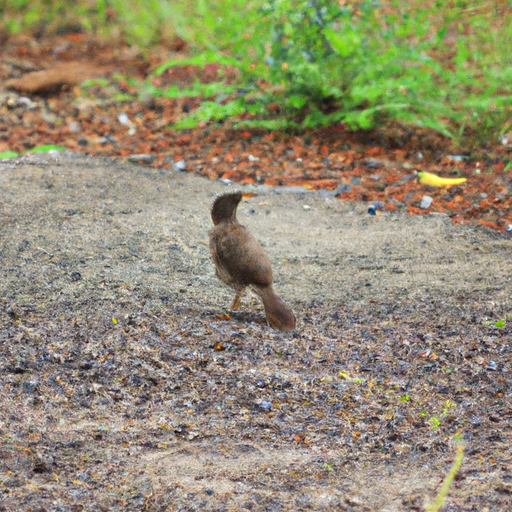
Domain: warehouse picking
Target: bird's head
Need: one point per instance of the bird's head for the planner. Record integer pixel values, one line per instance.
(224, 207)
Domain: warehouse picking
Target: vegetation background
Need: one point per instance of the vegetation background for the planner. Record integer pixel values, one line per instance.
(441, 64)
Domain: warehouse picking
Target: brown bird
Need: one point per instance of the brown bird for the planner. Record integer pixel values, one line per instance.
(241, 262)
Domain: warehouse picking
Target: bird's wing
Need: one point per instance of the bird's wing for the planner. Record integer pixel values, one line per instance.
(239, 253)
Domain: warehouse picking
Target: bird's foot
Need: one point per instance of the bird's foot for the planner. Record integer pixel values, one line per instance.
(236, 302)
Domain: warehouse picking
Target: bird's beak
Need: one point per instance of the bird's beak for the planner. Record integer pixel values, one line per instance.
(248, 194)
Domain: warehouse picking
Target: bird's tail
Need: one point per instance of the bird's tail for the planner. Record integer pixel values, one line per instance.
(278, 314)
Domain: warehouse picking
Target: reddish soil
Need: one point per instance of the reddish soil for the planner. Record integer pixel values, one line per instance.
(42, 103)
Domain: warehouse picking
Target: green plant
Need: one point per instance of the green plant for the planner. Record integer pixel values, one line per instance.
(38, 149)
(308, 63)
(8, 154)
(46, 148)
(498, 324)
(448, 480)
(319, 63)
(322, 64)
(345, 376)
(434, 421)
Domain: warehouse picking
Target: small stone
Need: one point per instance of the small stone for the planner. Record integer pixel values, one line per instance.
(180, 165)
(372, 163)
(74, 127)
(76, 276)
(123, 118)
(253, 158)
(146, 159)
(426, 202)
(266, 405)
(108, 139)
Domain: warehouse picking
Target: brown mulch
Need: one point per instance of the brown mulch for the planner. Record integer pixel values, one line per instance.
(44, 105)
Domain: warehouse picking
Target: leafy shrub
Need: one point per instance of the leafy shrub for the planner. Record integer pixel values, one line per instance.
(304, 63)
(317, 62)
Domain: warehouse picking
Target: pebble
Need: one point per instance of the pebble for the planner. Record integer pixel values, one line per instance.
(180, 165)
(76, 276)
(426, 202)
(291, 190)
(146, 159)
(266, 405)
(341, 189)
(123, 118)
(74, 127)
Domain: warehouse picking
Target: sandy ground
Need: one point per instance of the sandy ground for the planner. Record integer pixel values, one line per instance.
(125, 388)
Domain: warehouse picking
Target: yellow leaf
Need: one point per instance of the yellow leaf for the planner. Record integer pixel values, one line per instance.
(428, 178)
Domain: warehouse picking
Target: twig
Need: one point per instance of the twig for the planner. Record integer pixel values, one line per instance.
(448, 479)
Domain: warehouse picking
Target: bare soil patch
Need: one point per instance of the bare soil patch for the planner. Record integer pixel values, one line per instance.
(126, 388)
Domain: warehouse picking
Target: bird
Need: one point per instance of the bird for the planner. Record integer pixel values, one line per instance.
(241, 263)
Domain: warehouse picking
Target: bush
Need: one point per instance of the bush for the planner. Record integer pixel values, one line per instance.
(315, 62)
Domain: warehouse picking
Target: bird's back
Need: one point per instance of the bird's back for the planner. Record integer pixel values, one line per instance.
(238, 256)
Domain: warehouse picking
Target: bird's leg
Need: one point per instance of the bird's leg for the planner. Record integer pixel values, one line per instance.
(236, 301)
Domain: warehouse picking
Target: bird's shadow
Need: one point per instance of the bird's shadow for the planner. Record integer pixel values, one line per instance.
(240, 316)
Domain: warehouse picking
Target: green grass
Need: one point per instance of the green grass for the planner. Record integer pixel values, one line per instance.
(428, 65)
(203, 24)
(435, 64)
(448, 480)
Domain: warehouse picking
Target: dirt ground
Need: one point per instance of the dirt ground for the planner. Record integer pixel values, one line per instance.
(126, 385)
(46, 99)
